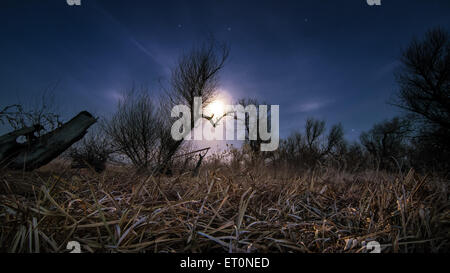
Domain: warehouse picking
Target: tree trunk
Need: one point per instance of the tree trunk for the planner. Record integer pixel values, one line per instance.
(37, 152)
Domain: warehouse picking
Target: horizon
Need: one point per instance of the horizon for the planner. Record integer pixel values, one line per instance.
(330, 60)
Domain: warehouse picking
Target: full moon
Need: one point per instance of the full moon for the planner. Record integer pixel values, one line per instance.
(215, 108)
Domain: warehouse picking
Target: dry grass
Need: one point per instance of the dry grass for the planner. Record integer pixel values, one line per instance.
(222, 211)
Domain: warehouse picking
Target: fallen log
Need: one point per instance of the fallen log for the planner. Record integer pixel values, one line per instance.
(38, 151)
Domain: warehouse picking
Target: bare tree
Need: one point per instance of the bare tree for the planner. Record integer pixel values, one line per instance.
(195, 75)
(424, 81)
(142, 130)
(313, 129)
(424, 78)
(335, 140)
(387, 142)
(40, 114)
(255, 145)
(290, 149)
(314, 146)
(354, 157)
(93, 151)
(134, 128)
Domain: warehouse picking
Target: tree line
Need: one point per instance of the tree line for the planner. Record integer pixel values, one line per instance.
(140, 128)
(419, 139)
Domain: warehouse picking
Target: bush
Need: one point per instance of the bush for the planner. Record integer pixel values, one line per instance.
(93, 151)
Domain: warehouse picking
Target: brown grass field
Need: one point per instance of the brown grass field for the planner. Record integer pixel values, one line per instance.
(259, 209)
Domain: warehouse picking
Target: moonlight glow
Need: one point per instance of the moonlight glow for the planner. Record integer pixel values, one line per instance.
(216, 108)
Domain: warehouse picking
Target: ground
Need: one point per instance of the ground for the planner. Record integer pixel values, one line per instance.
(258, 209)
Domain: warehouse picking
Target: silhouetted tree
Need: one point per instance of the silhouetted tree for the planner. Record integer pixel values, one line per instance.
(335, 141)
(134, 128)
(255, 145)
(39, 113)
(424, 80)
(93, 151)
(313, 130)
(354, 157)
(195, 75)
(306, 151)
(387, 142)
(141, 129)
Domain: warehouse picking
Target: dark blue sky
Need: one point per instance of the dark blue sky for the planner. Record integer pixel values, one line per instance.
(328, 59)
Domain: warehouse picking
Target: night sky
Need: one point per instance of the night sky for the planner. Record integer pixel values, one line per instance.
(327, 59)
